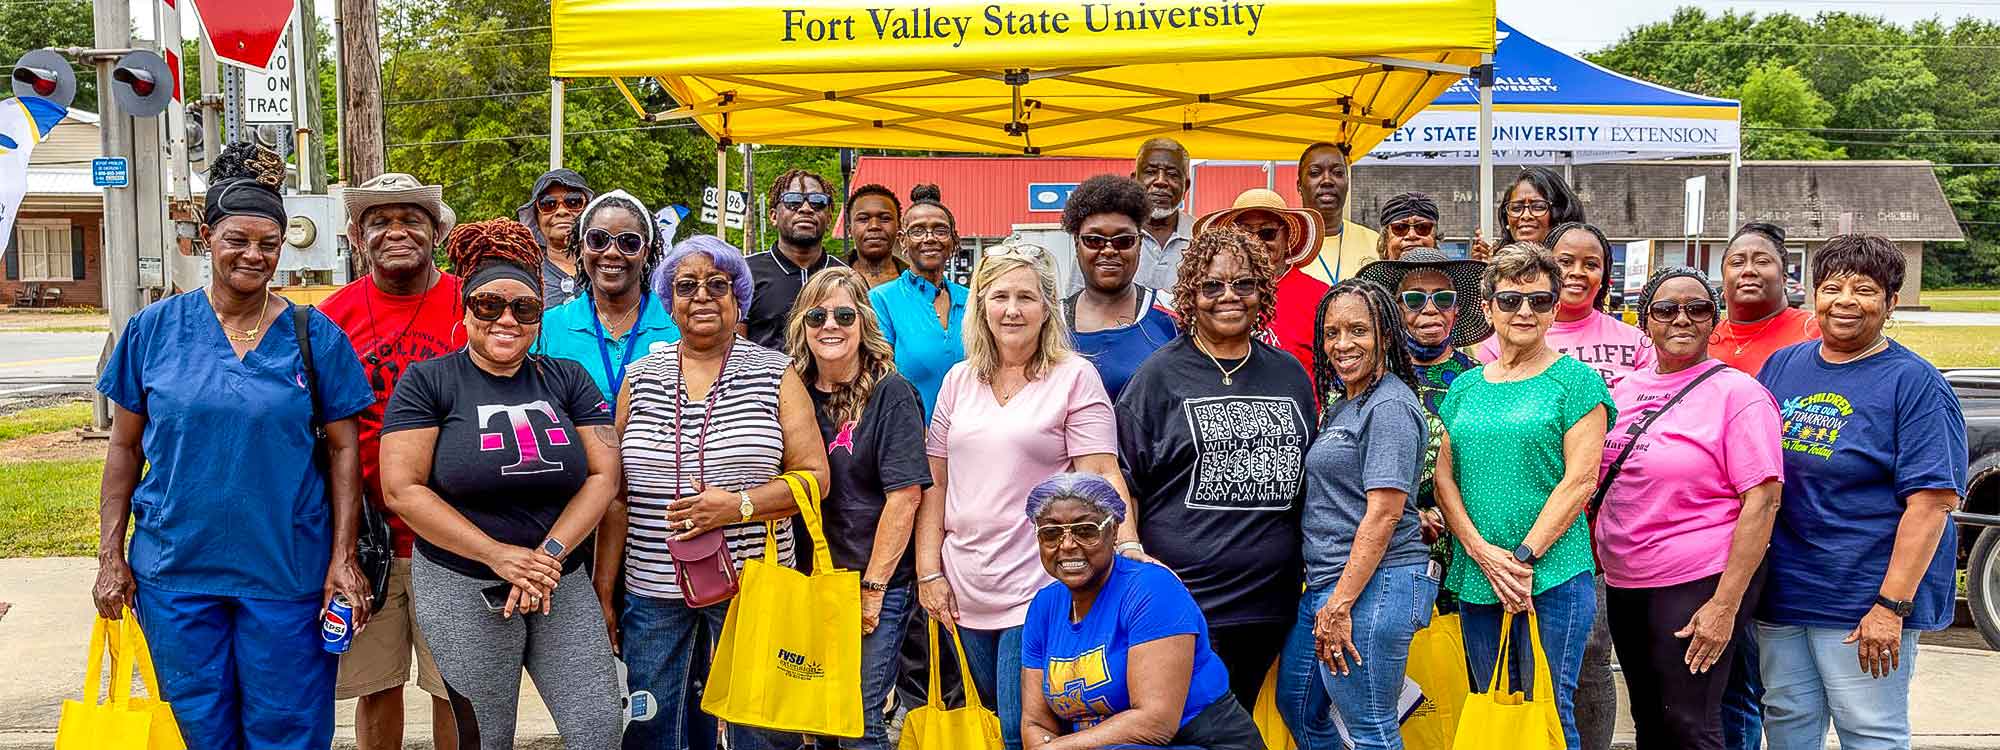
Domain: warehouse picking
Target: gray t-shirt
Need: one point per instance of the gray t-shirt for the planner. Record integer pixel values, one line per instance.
(1377, 443)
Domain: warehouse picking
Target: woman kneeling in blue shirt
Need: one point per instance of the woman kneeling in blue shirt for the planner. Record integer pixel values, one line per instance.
(1117, 647)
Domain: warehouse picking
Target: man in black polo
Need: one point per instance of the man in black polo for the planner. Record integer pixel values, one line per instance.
(801, 208)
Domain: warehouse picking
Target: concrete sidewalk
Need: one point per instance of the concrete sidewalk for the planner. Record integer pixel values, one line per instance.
(44, 635)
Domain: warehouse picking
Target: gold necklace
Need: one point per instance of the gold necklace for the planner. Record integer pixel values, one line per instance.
(1881, 342)
(1744, 339)
(237, 334)
(1226, 372)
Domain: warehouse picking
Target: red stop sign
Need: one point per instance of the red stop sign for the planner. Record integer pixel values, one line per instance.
(244, 32)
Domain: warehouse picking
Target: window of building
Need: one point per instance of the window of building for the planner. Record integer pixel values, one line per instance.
(44, 249)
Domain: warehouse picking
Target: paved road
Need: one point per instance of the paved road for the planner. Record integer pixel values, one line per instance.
(1932, 318)
(38, 364)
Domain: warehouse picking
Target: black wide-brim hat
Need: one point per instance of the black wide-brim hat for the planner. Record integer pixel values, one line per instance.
(1471, 327)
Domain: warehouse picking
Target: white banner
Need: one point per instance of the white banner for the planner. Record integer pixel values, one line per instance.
(1452, 137)
(23, 123)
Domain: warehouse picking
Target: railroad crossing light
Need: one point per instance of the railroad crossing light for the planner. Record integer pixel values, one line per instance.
(45, 74)
(144, 84)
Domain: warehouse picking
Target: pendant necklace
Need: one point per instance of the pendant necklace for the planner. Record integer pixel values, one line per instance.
(1226, 371)
(240, 335)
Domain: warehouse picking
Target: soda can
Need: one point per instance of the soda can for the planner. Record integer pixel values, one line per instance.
(336, 629)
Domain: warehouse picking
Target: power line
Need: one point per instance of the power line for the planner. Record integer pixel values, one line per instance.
(503, 95)
(543, 136)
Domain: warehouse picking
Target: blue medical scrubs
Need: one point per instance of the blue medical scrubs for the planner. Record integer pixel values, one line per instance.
(925, 350)
(232, 529)
(572, 331)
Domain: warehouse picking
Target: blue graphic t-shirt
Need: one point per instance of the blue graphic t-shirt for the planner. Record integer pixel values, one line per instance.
(1858, 439)
(1083, 664)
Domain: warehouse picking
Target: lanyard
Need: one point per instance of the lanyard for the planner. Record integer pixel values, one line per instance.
(1339, 255)
(616, 378)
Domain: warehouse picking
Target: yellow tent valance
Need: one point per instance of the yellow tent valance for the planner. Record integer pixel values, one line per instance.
(1230, 79)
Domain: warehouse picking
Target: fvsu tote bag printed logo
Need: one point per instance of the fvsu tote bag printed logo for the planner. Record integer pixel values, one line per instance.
(797, 666)
(1247, 452)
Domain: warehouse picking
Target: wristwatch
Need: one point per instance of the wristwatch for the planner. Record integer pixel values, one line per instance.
(746, 507)
(1896, 606)
(875, 586)
(1525, 554)
(553, 547)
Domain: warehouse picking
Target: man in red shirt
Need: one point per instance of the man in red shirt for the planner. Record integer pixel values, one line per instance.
(1291, 236)
(404, 311)
(1761, 321)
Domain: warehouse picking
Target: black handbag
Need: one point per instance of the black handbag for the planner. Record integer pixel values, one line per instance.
(374, 549)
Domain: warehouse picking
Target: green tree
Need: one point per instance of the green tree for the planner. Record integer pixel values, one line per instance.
(59, 23)
(1778, 98)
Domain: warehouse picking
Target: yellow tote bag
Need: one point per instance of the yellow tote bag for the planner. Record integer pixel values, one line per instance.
(1437, 664)
(789, 658)
(934, 727)
(125, 723)
(1502, 718)
(1270, 723)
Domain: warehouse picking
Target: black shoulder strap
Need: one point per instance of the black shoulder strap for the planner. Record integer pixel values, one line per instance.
(1611, 472)
(302, 330)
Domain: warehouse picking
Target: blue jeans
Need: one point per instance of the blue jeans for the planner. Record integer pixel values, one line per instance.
(659, 638)
(1565, 614)
(1811, 678)
(1394, 605)
(241, 673)
(881, 665)
(995, 658)
(1743, 697)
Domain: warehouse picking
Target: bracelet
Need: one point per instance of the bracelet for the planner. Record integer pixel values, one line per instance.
(931, 577)
(1130, 545)
(875, 586)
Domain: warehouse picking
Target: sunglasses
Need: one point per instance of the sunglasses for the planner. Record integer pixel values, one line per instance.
(1445, 299)
(489, 306)
(1267, 234)
(1120, 243)
(1540, 302)
(921, 233)
(1243, 287)
(1698, 311)
(1023, 250)
(572, 202)
(1086, 533)
(842, 315)
(717, 286)
(793, 200)
(629, 243)
(1418, 228)
(1527, 208)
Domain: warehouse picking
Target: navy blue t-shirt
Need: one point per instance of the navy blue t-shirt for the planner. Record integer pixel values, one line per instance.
(1083, 664)
(1858, 438)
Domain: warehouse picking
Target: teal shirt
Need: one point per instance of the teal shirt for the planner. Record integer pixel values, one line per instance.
(925, 351)
(572, 331)
(1507, 455)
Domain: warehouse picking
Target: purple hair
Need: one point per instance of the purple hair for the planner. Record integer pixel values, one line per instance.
(1083, 487)
(726, 258)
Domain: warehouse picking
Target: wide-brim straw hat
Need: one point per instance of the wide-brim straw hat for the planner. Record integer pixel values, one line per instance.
(1472, 326)
(1302, 225)
(390, 188)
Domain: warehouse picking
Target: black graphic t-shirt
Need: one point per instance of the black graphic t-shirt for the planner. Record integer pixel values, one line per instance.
(867, 459)
(1217, 473)
(507, 455)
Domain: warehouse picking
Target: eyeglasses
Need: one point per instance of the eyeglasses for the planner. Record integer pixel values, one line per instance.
(793, 200)
(922, 233)
(1527, 208)
(1086, 533)
(1120, 243)
(489, 306)
(1413, 228)
(1267, 234)
(1540, 302)
(1445, 299)
(717, 286)
(1243, 287)
(842, 315)
(573, 202)
(629, 243)
(1698, 310)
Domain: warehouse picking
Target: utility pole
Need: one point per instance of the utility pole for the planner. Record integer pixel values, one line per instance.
(309, 135)
(119, 240)
(360, 63)
(750, 226)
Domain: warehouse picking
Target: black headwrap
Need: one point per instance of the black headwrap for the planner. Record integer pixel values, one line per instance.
(1408, 204)
(1662, 276)
(244, 182)
(496, 271)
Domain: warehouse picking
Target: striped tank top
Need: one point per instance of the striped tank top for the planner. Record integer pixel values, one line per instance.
(745, 449)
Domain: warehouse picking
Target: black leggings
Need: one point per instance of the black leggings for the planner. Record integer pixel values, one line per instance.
(1248, 651)
(1672, 708)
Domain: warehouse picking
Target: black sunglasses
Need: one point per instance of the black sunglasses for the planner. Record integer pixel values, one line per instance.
(717, 286)
(1267, 234)
(1445, 299)
(843, 315)
(1698, 310)
(1120, 243)
(629, 243)
(1086, 533)
(1540, 302)
(573, 202)
(793, 200)
(489, 306)
(1413, 228)
(1212, 288)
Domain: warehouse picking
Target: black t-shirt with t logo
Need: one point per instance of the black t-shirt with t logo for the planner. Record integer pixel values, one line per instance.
(507, 455)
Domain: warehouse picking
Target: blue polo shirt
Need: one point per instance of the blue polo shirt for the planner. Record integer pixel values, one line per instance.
(573, 332)
(925, 350)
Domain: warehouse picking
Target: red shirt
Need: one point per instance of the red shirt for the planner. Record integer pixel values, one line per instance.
(1292, 321)
(389, 333)
(1745, 346)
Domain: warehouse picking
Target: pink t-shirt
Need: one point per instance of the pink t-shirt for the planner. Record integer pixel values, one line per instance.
(997, 454)
(1607, 344)
(1669, 516)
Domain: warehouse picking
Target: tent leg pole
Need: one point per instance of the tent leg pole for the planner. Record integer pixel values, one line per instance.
(555, 123)
(1485, 73)
(721, 188)
(1735, 171)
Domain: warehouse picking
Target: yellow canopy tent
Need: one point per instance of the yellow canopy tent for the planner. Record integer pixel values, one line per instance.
(1229, 79)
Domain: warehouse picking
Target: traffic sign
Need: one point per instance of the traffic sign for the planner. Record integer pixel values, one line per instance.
(267, 95)
(110, 171)
(1049, 196)
(738, 208)
(245, 33)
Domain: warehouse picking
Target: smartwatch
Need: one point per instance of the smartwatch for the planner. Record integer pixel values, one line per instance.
(553, 547)
(1526, 555)
(1900, 608)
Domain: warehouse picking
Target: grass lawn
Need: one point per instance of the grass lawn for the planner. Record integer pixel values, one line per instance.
(1962, 300)
(1952, 346)
(51, 508)
(44, 420)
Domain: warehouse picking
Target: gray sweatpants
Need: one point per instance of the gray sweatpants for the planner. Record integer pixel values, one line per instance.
(480, 656)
